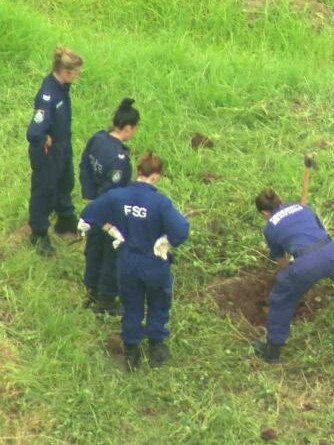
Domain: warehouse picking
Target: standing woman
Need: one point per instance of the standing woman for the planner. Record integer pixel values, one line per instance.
(105, 165)
(50, 151)
(147, 222)
(291, 230)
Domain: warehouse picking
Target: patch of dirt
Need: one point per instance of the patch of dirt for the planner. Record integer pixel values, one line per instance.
(210, 178)
(114, 344)
(198, 140)
(268, 434)
(247, 295)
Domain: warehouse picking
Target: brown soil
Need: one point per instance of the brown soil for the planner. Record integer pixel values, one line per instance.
(114, 344)
(247, 295)
(268, 434)
(209, 178)
(198, 140)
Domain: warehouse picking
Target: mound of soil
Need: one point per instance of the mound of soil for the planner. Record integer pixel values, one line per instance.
(247, 295)
(198, 140)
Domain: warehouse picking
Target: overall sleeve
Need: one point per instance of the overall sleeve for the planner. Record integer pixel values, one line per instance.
(275, 250)
(118, 174)
(176, 226)
(99, 211)
(39, 126)
(88, 189)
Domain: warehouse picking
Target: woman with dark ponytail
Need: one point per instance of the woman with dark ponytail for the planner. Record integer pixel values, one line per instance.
(105, 165)
(292, 230)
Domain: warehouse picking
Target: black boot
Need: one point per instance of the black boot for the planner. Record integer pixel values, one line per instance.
(66, 224)
(158, 353)
(132, 356)
(267, 351)
(42, 244)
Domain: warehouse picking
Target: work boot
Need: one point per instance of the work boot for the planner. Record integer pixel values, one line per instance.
(267, 351)
(132, 356)
(42, 244)
(66, 224)
(158, 353)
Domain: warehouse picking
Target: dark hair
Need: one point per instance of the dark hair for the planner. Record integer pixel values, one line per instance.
(65, 59)
(126, 114)
(267, 200)
(149, 164)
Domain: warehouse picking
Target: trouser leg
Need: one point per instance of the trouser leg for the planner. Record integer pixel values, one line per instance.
(64, 206)
(42, 194)
(132, 294)
(289, 288)
(108, 282)
(94, 257)
(158, 306)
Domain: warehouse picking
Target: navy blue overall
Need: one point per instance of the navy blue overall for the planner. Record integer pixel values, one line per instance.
(52, 179)
(142, 214)
(105, 165)
(295, 230)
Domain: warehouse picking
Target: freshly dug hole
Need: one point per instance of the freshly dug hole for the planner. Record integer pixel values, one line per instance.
(247, 295)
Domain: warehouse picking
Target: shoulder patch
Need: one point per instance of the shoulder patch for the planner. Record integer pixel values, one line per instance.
(46, 97)
(116, 176)
(120, 156)
(39, 116)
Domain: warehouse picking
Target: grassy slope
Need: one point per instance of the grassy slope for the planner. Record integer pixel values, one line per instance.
(264, 91)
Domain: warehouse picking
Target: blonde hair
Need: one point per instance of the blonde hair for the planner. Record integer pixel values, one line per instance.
(65, 59)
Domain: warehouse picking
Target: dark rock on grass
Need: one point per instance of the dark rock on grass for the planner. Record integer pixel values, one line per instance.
(268, 434)
(198, 140)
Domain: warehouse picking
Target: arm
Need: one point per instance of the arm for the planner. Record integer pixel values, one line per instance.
(98, 212)
(276, 252)
(39, 127)
(88, 190)
(118, 174)
(176, 227)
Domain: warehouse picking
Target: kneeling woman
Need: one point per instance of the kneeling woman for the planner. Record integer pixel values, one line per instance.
(292, 229)
(147, 220)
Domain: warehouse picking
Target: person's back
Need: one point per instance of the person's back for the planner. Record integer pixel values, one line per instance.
(145, 224)
(292, 228)
(143, 215)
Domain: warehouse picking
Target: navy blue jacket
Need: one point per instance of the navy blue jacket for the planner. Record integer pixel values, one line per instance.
(142, 215)
(292, 228)
(105, 165)
(52, 115)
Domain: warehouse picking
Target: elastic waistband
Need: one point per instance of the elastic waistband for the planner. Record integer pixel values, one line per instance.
(312, 248)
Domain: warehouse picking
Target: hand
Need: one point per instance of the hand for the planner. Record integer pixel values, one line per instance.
(47, 145)
(114, 233)
(161, 247)
(83, 227)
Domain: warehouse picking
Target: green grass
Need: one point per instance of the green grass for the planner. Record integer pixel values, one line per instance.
(261, 86)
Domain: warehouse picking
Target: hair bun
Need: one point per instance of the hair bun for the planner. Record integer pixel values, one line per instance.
(126, 103)
(58, 53)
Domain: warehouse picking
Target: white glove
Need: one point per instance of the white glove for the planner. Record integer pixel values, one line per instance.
(161, 247)
(83, 227)
(115, 233)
